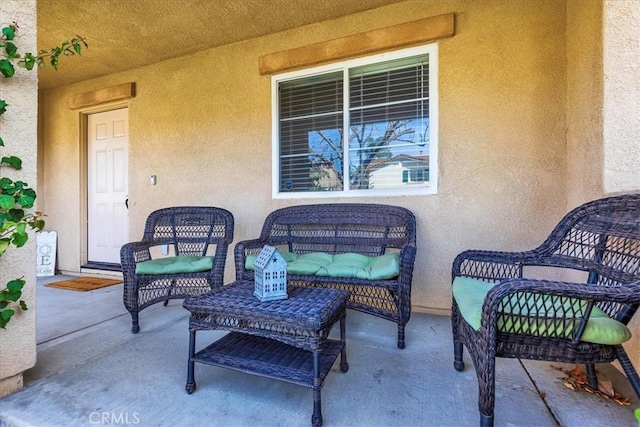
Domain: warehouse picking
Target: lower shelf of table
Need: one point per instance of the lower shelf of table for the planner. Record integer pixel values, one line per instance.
(268, 358)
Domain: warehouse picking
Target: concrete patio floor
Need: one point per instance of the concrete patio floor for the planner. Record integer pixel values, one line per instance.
(91, 370)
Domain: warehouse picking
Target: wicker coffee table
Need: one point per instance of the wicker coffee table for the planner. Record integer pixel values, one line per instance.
(270, 339)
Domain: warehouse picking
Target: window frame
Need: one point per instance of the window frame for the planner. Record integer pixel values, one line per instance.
(431, 50)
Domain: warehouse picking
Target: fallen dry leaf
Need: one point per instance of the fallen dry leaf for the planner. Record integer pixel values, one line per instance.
(606, 387)
(575, 372)
(576, 380)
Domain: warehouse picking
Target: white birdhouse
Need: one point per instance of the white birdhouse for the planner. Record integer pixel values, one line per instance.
(270, 275)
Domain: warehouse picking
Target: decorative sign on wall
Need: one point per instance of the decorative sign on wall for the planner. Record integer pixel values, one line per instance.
(46, 253)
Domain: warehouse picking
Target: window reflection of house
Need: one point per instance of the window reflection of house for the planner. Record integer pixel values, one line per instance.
(399, 170)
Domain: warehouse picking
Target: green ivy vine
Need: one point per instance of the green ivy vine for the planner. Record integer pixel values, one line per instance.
(16, 197)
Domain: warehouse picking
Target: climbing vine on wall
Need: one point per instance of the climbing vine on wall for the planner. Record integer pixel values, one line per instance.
(17, 198)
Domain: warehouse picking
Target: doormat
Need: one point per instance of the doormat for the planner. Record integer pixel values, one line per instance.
(83, 284)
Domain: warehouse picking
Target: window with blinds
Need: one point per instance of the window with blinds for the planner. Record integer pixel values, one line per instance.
(386, 106)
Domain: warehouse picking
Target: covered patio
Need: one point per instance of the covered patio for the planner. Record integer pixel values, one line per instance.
(92, 371)
(537, 114)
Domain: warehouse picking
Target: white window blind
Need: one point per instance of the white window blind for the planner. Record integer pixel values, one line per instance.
(311, 123)
(384, 107)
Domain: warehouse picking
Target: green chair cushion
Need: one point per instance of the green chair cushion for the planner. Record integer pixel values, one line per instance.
(382, 267)
(309, 264)
(347, 265)
(175, 264)
(601, 329)
(250, 259)
(344, 265)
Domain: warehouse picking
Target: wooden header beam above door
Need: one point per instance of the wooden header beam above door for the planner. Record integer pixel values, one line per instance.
(397, 36)
(100, 96)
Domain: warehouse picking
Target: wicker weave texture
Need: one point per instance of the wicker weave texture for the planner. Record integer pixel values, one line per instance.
(598, 241)
(268, 358)
(189, 230)
(303, 320)
(368, 229)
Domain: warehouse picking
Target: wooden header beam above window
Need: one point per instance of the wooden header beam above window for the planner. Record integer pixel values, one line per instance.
(397, 36)
(114, 93)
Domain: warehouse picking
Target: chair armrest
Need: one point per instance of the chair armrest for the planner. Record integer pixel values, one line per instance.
(130, 254)
(407, 258)
(135, 252)
(492, 266)
(243, 249)
(502, 299)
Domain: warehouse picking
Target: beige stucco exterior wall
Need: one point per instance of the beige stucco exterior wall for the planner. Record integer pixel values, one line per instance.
(585, 156)
(621, 118)
(18, 130)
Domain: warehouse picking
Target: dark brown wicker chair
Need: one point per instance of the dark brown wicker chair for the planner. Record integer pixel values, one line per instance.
(601, 240)
(190, 231)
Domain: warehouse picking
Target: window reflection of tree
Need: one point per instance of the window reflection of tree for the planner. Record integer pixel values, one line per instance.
(364, 148)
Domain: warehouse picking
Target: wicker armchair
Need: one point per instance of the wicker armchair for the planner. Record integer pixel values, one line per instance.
(195, 267)
(525, 318)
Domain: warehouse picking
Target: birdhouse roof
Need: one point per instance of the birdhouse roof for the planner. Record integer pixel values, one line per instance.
(267, 254)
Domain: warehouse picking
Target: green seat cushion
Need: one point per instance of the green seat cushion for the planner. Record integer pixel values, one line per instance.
(601, 329)
(250, 259)
(347, 265)
(309, 264)
(382, 267)
(175, 264)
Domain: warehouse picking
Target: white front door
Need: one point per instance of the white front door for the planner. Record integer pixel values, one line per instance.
(107, 163)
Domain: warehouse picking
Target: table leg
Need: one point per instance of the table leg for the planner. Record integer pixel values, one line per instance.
(191, 383)
(316, 418)
(344, 365)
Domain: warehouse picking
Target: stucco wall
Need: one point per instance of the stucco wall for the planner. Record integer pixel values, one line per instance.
(621, 96)
(585, 156)
(202, 124)
(18, 131)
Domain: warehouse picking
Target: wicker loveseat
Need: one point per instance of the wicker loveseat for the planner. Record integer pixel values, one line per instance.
(368, 249)
(501, 310)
